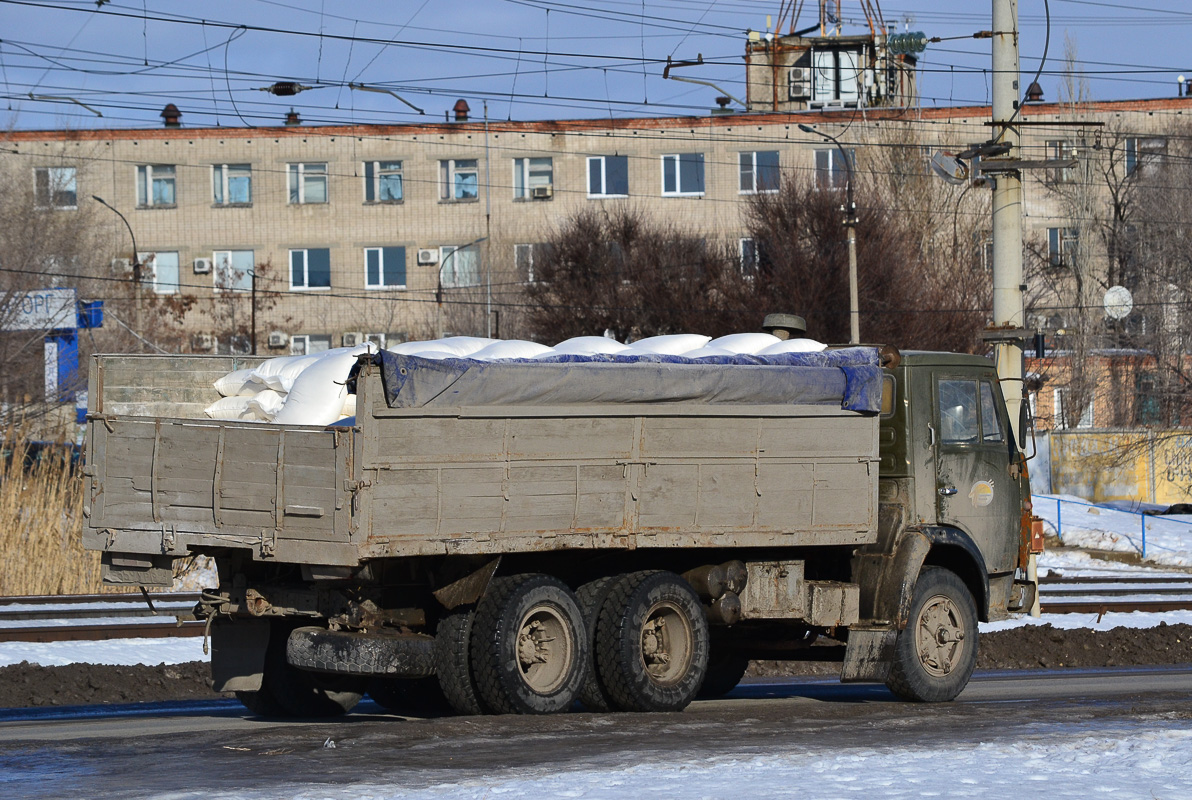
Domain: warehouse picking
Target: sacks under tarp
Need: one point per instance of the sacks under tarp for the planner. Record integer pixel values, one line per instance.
(849, 378)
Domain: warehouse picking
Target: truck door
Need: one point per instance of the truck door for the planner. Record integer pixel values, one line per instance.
(974, 490)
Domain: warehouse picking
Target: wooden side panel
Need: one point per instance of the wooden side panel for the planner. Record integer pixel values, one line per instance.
(143, 386)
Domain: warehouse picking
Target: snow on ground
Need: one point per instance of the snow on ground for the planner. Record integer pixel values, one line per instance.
(1149, 759)
(1165, 540)
(119, 651)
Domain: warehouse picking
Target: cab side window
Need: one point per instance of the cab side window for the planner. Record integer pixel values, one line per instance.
(990, 424)
(958, 412)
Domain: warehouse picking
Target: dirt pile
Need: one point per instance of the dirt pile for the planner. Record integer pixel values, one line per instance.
(1029, 647)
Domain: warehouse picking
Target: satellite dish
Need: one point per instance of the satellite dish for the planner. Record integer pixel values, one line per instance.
(950, 168)
(1118, 302)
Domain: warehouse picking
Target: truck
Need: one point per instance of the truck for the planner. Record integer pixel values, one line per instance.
(516, 536)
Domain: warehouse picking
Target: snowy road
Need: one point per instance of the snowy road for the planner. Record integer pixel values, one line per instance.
(1059, 734)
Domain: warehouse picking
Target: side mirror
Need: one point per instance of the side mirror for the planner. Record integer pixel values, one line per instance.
(1026, 423)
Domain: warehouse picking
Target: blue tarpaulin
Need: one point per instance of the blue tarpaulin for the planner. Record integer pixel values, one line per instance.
(848, 378)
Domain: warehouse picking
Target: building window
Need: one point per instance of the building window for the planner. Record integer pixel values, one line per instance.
(155, 185)
(528, 256)
(231, 184)
(310, 268)
(385, 267)
(836, 77)
(759, 171)
(233, 270)
(308, 183)
(55, 187)
(831, 170)
(304, 344)
(1058, 150)
(1061, 246)
(683, 174)
(382, 182)
(608, 176)
(1067, 415)
(160, 271)
(749, 260)
(1141, 153)
(459, 179)
(459, 266)
(533, 177)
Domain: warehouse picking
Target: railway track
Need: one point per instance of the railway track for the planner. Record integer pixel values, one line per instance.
(128, 616)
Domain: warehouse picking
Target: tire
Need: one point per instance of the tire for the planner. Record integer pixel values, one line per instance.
(529, 645)
(410, 697)
(591, 598)
(652, 642)
(453, 667)
(261, 703)
(935, 656)
(725, 671)
(299, 693)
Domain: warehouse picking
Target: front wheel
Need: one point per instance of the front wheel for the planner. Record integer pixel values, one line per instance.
(935, 656)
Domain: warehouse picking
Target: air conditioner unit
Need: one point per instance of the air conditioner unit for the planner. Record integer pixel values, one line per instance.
(799, 86)
(202, 266)
(428, 257)
(542, 192)
(278, 339)
(121, 266)
(351, 338)
(204, 343)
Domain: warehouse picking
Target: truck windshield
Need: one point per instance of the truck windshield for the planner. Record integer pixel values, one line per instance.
(958, 412)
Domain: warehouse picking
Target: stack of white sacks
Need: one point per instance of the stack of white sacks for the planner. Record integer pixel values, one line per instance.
(312, 390)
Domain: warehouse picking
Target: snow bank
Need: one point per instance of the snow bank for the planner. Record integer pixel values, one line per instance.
(1165, 540)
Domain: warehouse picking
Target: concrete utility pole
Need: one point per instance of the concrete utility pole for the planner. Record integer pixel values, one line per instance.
(1007, 212)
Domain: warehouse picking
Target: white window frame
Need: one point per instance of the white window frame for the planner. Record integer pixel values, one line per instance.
(1061, 243)
(444, 253)
(146, 178)
(749, 266)
(835, 176)
(747, 165)
(300, 343)
(527, 175)
(305, 285)
(604, 176)
(1141, 151)
(221, 177)
(221, 264)
(149, 273)
(526, 254)
(380, 250)
(449, 171)
(298, 174)
(1061, 421)
(54, 185)
(677, 160)
(374, 171)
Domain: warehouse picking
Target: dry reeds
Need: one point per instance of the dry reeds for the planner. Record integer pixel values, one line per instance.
(41, 522)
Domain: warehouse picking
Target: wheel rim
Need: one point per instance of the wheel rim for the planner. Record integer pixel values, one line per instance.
(667, 644)
(545, 649)
(939, 635)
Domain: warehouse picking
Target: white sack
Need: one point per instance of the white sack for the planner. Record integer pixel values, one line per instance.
(280, 373)
(349, 409)
(229, 408)
(513, 348)
(675, 344)
(794, 346)
(455, 346)
(265, 404)
(709, 352)
(318, 394)
(586, 346)
(745, 343)
(237, 382)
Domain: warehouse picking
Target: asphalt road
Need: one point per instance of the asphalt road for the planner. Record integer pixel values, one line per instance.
(185, 750)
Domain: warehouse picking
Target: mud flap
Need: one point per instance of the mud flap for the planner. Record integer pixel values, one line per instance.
(869, 655)
(238, 654)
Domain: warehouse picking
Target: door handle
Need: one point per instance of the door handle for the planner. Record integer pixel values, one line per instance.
(947, 491)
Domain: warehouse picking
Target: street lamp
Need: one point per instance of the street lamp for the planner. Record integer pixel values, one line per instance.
(136, 262)
(439, 286)
(850, 223)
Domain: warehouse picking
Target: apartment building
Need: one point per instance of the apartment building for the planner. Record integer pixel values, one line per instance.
(324, 235)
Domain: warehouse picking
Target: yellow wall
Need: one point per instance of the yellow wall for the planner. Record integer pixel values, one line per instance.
(1152, 467)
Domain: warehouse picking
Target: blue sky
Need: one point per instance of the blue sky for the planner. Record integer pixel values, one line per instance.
(530, 59)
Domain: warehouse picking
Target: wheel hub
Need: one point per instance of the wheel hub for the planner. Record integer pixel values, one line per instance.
(666, 644)
(939, 635)
(544, 649)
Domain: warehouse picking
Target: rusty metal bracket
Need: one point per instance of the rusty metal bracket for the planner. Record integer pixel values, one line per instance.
(468, 589)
